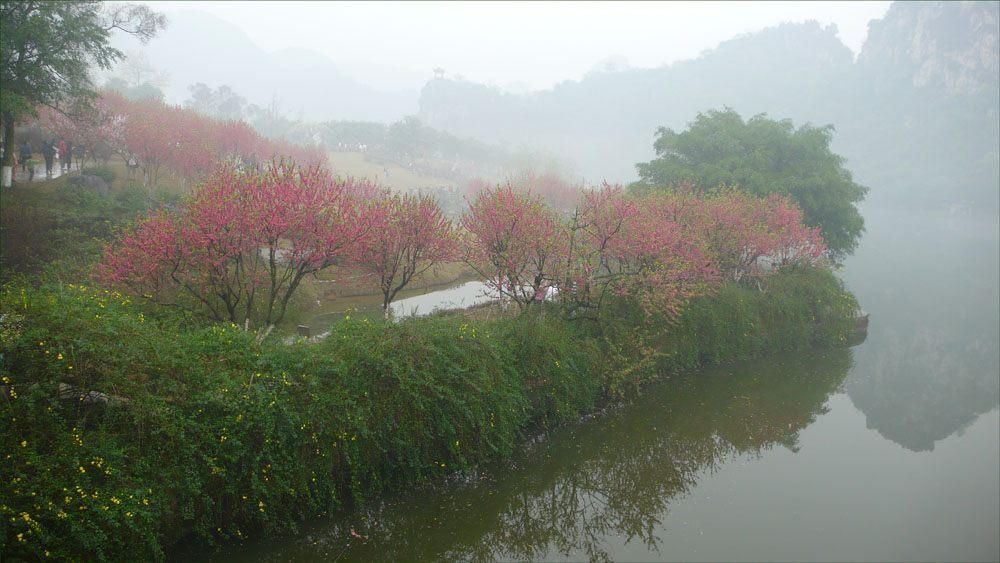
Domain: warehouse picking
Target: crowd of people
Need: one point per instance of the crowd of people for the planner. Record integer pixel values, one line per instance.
(51, 151)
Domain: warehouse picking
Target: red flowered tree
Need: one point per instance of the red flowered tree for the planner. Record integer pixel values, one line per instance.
(243, 243)
(749, 236)
(158, 137)
(516, 243)
(638, 248)
(796, 244)
(592, 270)
(411, 237)
(673, 261)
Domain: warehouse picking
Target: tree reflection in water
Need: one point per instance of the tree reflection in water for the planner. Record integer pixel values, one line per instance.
(610, 476)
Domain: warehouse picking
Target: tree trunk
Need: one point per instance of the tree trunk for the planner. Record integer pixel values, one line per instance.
(9, 145)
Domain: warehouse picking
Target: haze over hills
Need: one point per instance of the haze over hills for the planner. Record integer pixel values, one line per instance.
(923, 118)
(605, 123)
(199, 47)
(927, 72)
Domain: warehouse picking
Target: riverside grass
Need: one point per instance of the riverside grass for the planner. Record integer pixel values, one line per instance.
(126, 434)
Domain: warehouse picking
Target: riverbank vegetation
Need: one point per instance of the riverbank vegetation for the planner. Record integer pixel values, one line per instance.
(129, 432)
(146, 408)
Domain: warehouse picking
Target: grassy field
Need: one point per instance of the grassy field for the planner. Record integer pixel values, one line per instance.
(400, 178)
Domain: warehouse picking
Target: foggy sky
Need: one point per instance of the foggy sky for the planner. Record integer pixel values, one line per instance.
(520, 45)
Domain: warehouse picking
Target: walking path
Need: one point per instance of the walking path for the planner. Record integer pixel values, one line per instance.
(22, 176)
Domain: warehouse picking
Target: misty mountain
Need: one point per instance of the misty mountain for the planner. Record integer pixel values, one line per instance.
(606, 121)
(927, 72)
(953, 46)
(922, 118)
(199, 47)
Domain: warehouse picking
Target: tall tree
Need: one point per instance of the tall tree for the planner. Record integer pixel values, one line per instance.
(48, 48)
(762, 156)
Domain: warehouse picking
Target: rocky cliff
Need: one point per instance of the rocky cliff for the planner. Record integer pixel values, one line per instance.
(955, 45)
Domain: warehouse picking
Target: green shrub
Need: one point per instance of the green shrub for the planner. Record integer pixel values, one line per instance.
(131, 201)
(797, 309)
(106, 173)
(76, 199)
(155, 434)
(78, 371)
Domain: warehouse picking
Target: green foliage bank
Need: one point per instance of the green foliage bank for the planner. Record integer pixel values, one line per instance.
(762, 156)
(126, 435)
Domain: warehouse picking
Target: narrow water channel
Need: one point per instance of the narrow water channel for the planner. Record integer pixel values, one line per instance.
(408, 303)
(886, 451)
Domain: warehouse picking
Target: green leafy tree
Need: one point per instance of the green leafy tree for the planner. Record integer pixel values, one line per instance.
(222, 103)
(763, 156)
(48, 48)
(144, 91)
(409, 136)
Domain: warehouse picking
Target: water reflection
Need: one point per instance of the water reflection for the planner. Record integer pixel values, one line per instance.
(615, 486)
(609, 477)
(931, 363)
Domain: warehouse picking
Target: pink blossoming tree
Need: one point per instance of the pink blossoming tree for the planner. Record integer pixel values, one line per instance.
(243, 243)
(516, 243)
(636, 248)
(411, 237)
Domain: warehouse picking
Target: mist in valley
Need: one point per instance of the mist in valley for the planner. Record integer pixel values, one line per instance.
(913, 100)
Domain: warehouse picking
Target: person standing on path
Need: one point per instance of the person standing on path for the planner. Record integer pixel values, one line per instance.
(49, 153)
(25, 155)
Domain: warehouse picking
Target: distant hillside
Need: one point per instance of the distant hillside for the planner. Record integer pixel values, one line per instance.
(606, 121)
(916, 115)
(951, 45)
(199, 47)
(922, 125)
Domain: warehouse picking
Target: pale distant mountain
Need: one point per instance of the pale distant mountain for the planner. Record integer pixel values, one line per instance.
(953, 45)
(916, 115)
(305, 59)
(387, 77)
(605, 122)
(380, 76)
(923, 119)
(199, 47)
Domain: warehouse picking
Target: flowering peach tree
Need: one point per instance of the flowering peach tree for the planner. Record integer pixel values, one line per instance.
(411, 237)
(242, 244)
(160, 137)
(516, 243)
(749, 236)
(634, 247)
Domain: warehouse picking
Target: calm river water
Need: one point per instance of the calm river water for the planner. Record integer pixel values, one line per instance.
(886, 451)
